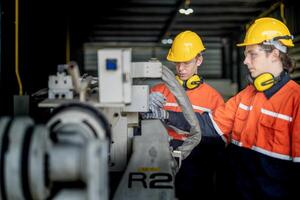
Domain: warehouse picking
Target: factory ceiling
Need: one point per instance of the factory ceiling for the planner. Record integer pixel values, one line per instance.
(151, 21)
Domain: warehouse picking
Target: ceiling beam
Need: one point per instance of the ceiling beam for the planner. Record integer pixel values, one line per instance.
(123, 26)
(170, 21)
(206, 26)
(197, 9)
(216, 32)
(138, 18)
(214, 18)
(124, 39)
(221, 9)
(225, 1)
(127, 32)
(171, 2)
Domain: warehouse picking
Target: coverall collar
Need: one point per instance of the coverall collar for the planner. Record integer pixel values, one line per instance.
(284, 78)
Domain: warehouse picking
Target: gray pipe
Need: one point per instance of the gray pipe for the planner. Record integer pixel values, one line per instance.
(187, 109)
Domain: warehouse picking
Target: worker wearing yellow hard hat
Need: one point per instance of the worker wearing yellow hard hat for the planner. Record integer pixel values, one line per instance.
(268, 29)
(185, 47)
(271, 33)
(186, 53)
(260, 124)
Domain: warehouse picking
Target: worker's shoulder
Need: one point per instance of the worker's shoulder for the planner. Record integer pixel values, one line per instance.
(158, 87)
(209, 88)
(294, 88)
(247, 93)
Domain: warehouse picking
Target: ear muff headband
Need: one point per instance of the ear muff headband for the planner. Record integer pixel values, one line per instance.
(181, 82)
(192, 83)
(264, 81)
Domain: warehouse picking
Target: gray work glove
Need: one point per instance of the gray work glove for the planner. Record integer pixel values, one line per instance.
(155, 113)
(157, 99)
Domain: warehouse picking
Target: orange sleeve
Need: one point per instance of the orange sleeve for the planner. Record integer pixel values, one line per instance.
(223, 117)
(162, 88)
(215, 98)
(218, 101)
(156, 88)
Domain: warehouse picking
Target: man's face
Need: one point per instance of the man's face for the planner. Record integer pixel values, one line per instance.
(257, 60)
(187, 69)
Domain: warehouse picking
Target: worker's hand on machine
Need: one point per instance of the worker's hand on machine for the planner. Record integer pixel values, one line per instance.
(157, 99)
(155, 113)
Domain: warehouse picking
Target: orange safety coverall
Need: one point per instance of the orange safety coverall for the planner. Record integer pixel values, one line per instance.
(263, 133)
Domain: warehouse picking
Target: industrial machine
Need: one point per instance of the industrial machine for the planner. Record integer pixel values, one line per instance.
(91, 133)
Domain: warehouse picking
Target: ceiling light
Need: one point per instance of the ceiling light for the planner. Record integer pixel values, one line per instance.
(189, 11)
(186, 10)
(182, 11)
(164, 41)
(167, 41)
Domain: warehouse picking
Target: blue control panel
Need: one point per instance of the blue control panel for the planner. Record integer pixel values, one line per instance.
(111, 64)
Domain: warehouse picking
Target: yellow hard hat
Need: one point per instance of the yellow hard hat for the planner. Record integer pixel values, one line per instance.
(185, 47)
(265, 29)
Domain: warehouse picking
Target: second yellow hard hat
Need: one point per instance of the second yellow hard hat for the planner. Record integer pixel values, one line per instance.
(265, 29)
(185, 47)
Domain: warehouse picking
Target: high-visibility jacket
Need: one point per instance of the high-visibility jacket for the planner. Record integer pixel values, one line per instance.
(203, 99)
(263, 132)
(269, 126)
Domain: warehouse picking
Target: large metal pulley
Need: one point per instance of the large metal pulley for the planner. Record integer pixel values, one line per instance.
(36, 161)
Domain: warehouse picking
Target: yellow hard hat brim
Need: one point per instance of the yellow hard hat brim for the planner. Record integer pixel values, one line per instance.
(245, 44)
(182, 58)
(241, 44)
(286, 43)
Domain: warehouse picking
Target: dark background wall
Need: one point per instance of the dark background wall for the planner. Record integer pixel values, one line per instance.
(46, 26)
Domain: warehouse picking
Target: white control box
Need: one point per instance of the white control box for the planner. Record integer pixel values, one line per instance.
(151, 69)
(114, 72)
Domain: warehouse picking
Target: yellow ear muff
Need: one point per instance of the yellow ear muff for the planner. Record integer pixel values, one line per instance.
(181, 82)
(191, 83)
(264, 82)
